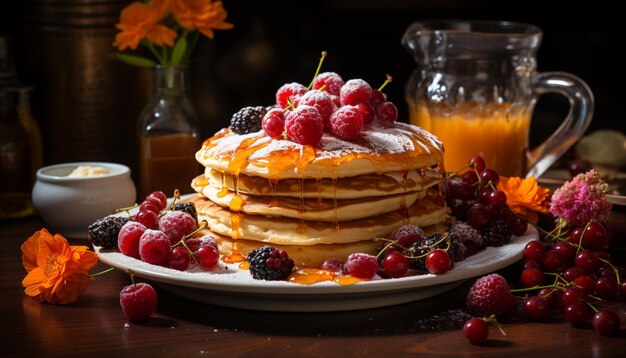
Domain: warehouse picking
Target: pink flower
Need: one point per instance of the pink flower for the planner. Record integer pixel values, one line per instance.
(581, 200)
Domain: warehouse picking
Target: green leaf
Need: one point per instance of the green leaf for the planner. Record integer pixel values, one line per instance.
(135, 60)
(179, 50)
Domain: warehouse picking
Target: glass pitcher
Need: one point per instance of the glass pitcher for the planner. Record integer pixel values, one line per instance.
(475, 88)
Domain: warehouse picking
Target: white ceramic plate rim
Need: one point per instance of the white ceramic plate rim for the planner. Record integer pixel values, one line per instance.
(230, 278)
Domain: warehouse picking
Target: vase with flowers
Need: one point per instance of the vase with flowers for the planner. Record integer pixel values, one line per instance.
(168, 126)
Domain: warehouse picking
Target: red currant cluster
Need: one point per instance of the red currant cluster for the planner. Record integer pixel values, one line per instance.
(473, 197)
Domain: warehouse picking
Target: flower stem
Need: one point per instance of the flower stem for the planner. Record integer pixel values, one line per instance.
(102, 272)
(155, 53)
(194, 40)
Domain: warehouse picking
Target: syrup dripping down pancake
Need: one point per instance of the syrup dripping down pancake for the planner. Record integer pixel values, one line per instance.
(286, 231)
(380, 148)
(362, 186)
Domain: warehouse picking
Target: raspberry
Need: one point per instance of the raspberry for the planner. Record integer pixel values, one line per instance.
(247, 120)
(497, 233)
(335, 265)
(128, 238)
(194, 243)
(407, 235)
(331, 82)
(304, 125)
(321, 101)
(367, 111)
(138, 301)
(103, 232)
(387, 112)
(154, 247)
(189, 208)
(270, 264)
(274, 123)
(355, 92)
(490, 295)
(362, 265)
(336, 100)
(289, 91)
(346, 122)
(176, 225)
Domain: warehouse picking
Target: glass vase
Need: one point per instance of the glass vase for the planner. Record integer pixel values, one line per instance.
(168, 134)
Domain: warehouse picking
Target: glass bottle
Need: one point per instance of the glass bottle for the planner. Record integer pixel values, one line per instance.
(16, 170)
(168, 134)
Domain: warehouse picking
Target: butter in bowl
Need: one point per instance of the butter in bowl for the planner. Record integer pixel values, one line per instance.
(71, 196)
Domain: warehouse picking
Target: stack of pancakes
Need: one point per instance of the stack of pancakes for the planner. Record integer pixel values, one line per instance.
(318, 202)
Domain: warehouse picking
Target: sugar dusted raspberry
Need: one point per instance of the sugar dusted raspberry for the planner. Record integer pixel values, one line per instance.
(490, 295)
(355, 92)
(336, 100)
(367, 111)
(321, 101)
(377, 98)
(361, 265)
(128, 238)
(274, 123)
(333, 264)
(138, 301)
(304, 125)
(330, 81)
(407, 235)
(346, 122)
(176, 224)
(387, 112)
(287, 91)
(154, 247)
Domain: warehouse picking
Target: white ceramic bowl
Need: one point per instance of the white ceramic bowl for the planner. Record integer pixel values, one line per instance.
(70, 205)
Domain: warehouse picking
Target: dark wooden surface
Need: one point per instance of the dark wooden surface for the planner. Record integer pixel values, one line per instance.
(95, 324)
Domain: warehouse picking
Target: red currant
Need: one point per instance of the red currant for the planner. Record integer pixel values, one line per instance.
(606, 322)
(534, 250)
(478, 216)
(572, 273)
(470, 177)
(586, 283)
(149, 206)
(478, 163)
(549, 294)
(148, 219)
(606, 288)
(536, 308)
(489, 175)
(179, 258)
(553, 261)
(531, 277)
(566, 250)
(438, 262)
(586, 261)
(519, 224)
(476, 330)
(395, 264)
(577, 313)
(573, 294)
(160, 196)
(207, 257)
(497, 198)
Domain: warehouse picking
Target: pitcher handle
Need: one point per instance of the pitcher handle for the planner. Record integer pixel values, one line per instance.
(577, 120)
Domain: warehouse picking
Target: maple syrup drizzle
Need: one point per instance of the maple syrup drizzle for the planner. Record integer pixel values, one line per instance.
(312, 276)
(442, 170)
(234, 257)
(403, 209)
(245, 265)
(335, 219)
(222, 193)
(200, 182)
(302, 228)
(319, 202)
(273, 202)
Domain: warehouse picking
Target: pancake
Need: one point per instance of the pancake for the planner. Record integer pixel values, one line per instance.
(361, 186)
(328, 210)
(380, 148)
(309, 255)
(286, 231)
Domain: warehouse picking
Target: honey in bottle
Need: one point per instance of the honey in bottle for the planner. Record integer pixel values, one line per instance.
(168, 134)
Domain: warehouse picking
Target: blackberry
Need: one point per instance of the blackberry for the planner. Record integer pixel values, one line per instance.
(497, 233)
(247, 120)
(417, 252)
(270, 264)
(189, 208)
(103, 232)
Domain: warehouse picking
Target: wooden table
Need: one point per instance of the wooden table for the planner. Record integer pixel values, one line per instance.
(95, 324)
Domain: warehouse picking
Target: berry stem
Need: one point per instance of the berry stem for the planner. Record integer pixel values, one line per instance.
(176, 198)
(580, 241)
(387, 81)
(612, 268)
(492, 319)
(202, 225)
(102, 272)
(125, 209)
(132, 275)
(444, 237)
(319, 66)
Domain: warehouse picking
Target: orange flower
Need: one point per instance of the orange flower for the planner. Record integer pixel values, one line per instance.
(57, 272)
(204, 15)
(139, 20)
(525, 196)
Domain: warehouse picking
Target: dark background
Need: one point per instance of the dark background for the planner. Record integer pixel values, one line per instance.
(275, 42)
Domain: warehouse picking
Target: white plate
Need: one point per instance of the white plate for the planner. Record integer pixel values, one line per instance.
(227, 285)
